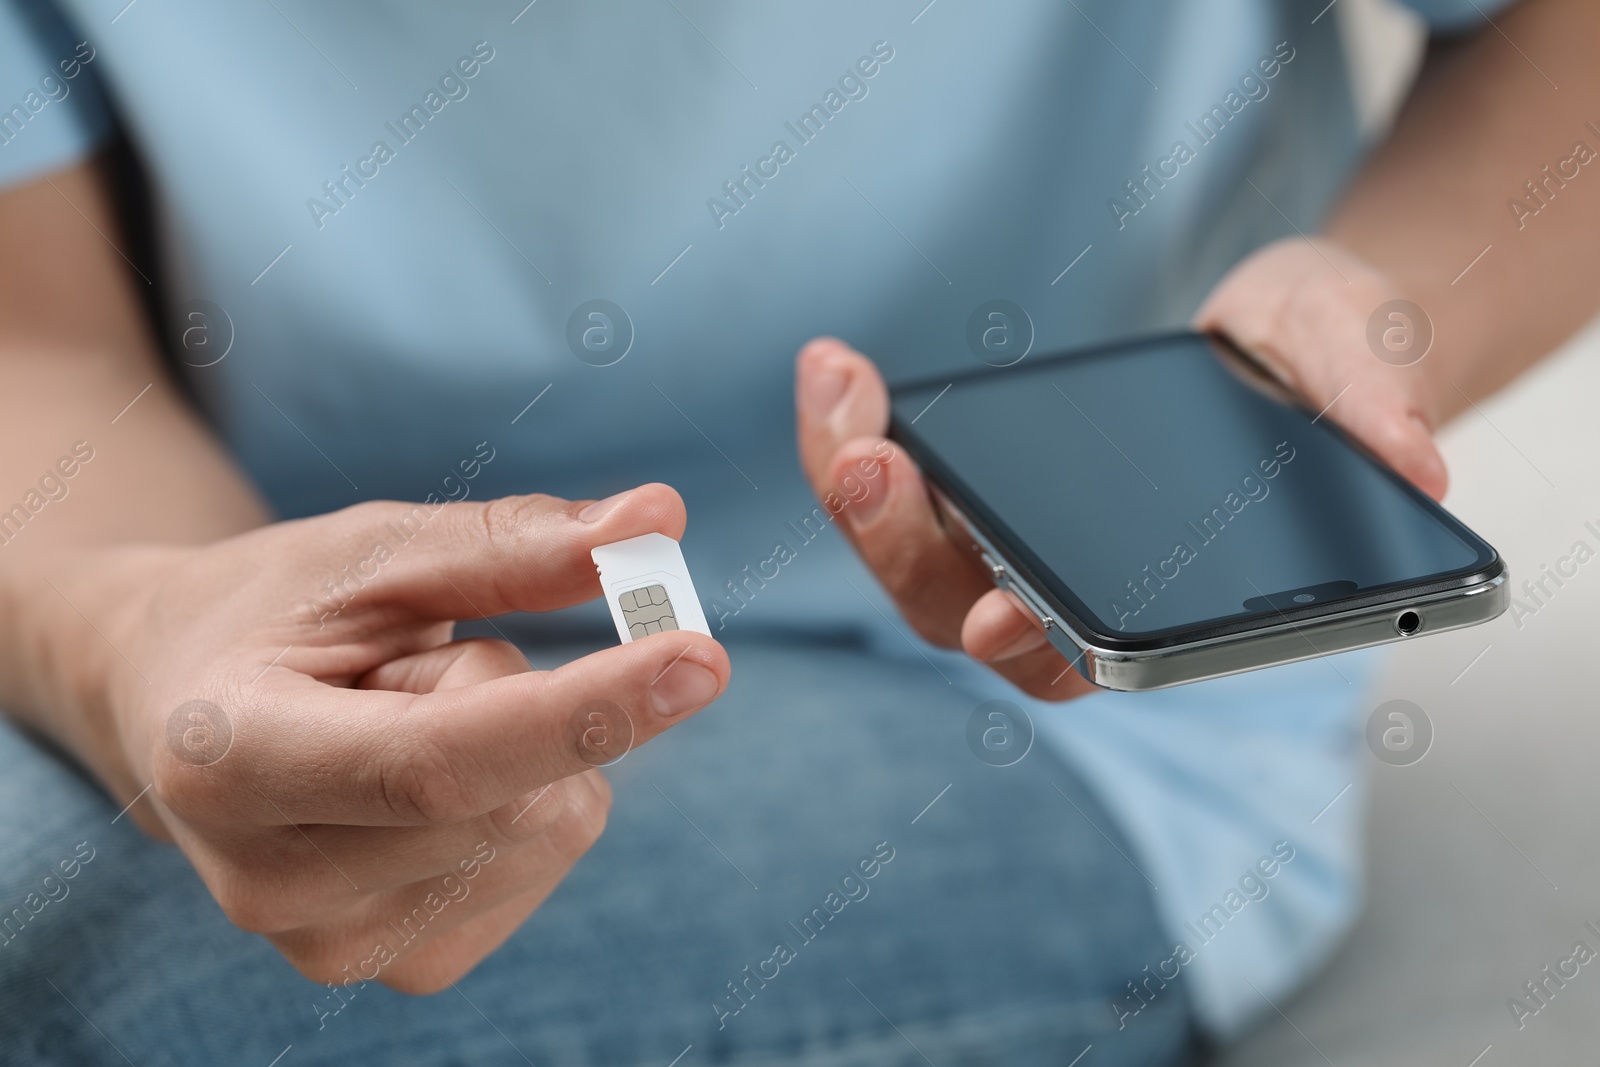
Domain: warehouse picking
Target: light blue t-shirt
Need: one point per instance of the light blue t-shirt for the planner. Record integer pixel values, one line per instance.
(383, 233)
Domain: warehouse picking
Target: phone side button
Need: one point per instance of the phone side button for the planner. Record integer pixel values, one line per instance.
(997, 571)
(1003, 579)
(1027, 598)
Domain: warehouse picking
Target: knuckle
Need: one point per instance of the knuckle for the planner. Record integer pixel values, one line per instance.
(896, 563)
(597, 732)
(276, 882)
(602, 788)
(425, 975)
(368, 512)
(324, 959)
(506, 520)
(418, 983)
(249, 905)
(353, 525)
(504, 528)
(529, 815)
(493, 657)
(193, 794)
(419, 784)
(582, 822)
(204, 763)
(919, 588)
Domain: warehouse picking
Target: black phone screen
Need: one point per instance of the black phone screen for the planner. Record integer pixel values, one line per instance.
(1154, 488)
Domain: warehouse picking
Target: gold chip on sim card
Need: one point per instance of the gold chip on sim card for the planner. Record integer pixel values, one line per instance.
(647, 587)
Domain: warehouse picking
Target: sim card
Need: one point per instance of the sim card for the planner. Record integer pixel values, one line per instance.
(647, 587)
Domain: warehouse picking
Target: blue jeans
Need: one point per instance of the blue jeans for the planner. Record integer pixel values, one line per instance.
(998, 924)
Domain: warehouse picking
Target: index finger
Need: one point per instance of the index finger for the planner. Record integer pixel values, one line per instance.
(839, 396)
(516, 553)
(318, 754)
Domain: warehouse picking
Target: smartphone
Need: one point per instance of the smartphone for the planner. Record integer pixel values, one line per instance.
(1170, 513)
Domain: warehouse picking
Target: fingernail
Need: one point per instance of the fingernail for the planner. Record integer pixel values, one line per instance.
(598, 510)
(1026, 642)
(863, 511)
(822, 387)
(1432, 473)
(532, 813)
(683, 687)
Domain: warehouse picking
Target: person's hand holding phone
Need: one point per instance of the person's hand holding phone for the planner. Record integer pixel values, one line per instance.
(842, 415)
(334, 765)
(1301, 309)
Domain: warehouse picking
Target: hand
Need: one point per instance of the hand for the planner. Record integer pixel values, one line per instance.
(1301, 309)
(355, 772)
(885, 510)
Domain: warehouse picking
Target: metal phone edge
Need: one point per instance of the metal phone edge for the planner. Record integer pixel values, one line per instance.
(1217, 657)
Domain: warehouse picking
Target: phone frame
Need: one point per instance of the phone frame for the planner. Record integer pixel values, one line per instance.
(1159, 659)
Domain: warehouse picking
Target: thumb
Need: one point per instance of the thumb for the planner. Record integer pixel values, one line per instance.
(1301, 310)
(839, 396)
(1396, 433)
